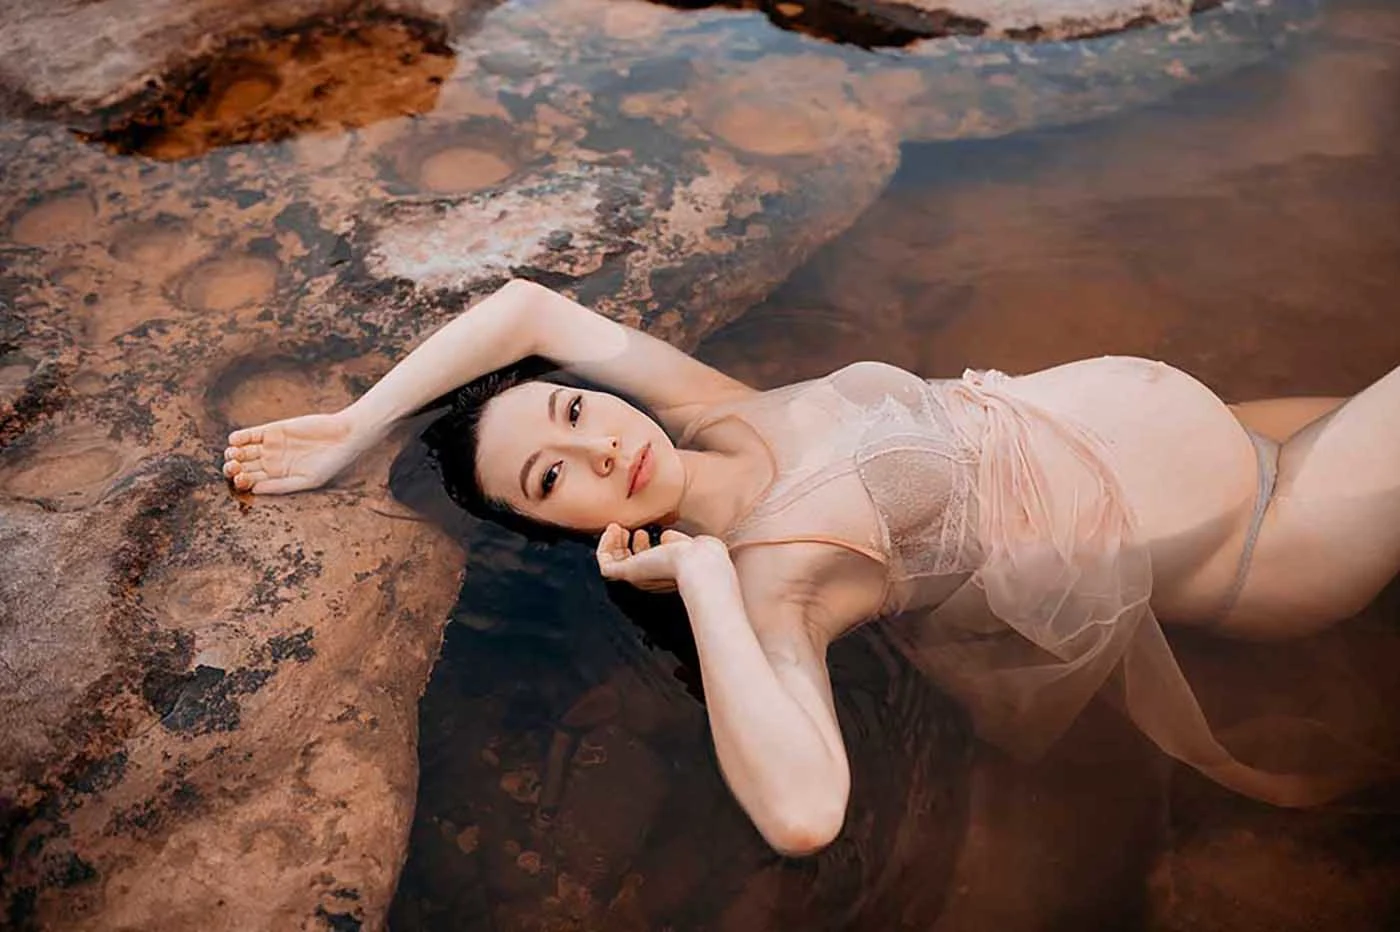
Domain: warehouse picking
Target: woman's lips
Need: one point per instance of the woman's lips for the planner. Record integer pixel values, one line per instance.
(640, 473)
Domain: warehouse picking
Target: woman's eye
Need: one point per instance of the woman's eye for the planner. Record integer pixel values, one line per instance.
(575, 409)
(551, 476)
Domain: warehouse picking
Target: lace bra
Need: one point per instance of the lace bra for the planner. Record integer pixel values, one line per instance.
(867, 459)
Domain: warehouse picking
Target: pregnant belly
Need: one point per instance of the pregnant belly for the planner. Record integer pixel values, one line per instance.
(1186, 465)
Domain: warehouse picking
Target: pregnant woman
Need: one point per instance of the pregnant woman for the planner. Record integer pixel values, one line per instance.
(1021, 536)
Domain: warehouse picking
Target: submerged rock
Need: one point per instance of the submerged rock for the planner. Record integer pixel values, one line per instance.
(1037, 20)
(210, 700)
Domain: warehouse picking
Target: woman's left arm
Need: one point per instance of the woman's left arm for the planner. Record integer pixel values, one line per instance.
(766, 691)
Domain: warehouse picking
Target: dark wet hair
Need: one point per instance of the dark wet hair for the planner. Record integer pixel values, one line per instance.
(453, 441)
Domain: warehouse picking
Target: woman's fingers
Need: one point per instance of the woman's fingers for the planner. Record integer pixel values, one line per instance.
(247, 435)
(620, 551)
(612, 546)
(630, 556)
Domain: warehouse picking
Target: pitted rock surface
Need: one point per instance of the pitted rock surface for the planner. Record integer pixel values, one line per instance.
(210, 701)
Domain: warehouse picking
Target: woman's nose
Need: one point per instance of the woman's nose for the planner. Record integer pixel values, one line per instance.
(601, 452)
(605, 456)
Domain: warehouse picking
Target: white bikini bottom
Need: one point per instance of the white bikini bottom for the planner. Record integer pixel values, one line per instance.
(1266, 450)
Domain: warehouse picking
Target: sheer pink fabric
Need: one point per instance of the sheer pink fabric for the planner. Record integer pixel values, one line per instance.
(1015, 575)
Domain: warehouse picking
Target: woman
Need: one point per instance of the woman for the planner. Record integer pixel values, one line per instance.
(1022, 534)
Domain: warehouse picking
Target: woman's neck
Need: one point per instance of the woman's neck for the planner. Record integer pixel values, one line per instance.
(719, 489)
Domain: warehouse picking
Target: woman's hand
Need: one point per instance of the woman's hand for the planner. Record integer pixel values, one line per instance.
(630, 557)
(292, 455)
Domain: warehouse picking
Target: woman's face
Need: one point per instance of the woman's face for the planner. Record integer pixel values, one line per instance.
(577, 459)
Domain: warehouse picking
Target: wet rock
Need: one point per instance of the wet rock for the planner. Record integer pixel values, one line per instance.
(148, 584)
(110, 50)
(317, 75)
(898, 23)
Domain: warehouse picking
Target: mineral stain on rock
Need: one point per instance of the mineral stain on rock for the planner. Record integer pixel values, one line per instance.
(29, 392)
(203, 700)
(292, 646)
(323, 74)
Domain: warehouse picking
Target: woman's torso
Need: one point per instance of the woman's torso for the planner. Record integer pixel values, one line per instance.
(876, 472)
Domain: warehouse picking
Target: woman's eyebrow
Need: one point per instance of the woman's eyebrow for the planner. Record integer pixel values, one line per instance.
(553, 395)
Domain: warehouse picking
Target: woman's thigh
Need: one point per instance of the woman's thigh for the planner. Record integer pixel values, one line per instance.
(1330, 539)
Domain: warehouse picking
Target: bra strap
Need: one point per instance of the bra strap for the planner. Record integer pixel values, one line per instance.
(813, 539)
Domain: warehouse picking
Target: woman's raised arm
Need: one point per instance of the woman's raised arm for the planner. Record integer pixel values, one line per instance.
(525, 319)
(520, 319)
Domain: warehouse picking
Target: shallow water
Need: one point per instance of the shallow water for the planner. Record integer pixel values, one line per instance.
(1246, 230)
